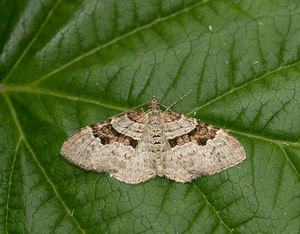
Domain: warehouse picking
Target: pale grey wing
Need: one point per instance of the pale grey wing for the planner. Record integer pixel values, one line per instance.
(177, 124)
(203, 151)
(129, 124)
(90, 150)
(189, 161)
(140, 167)
(100, 147)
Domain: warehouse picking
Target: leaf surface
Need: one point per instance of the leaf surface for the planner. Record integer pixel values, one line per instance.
(68, 64)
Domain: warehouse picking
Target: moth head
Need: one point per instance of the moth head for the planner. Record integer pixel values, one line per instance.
(154, 104)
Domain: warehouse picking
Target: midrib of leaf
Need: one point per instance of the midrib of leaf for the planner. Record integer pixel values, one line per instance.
(23, 138)
(26, 49)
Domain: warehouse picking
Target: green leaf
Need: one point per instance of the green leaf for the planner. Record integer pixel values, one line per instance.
(67, 64)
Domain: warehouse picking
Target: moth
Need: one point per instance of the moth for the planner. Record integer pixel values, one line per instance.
(136, 146)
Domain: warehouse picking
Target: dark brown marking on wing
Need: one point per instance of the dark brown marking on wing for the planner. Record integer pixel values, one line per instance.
(199, 135)
(108, 135)
(172, 116)
(136, 117)
(172, 142)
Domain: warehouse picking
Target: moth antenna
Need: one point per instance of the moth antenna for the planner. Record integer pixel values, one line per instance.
(174, 103)
(133, 108)
(163, 105)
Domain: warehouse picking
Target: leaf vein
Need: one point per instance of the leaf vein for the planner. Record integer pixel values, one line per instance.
(192, 222)
(212, 207)
(115, 40)
(10, 182)
(27, 48)
(37, 91)
(16, 120)
(280, 68)
(288, 159)
(277, 142)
